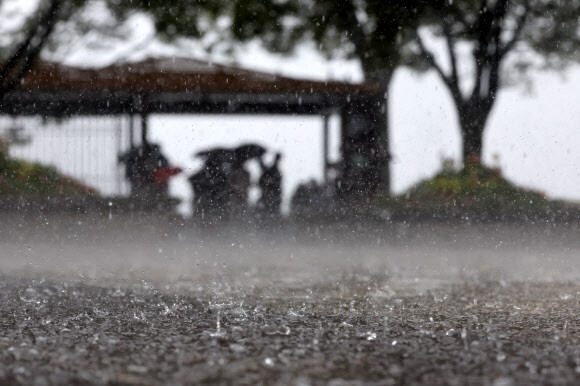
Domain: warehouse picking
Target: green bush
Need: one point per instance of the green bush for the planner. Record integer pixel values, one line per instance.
(473, 187)
(27, 178)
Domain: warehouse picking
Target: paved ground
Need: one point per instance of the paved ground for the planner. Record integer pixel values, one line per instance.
(100, 303)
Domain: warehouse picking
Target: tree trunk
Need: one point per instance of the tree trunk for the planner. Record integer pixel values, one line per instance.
(472, 120)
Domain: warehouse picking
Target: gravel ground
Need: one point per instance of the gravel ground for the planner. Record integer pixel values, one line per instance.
(417, 305)
(485, 333)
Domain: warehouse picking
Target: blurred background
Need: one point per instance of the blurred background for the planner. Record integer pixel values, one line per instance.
(531, 133)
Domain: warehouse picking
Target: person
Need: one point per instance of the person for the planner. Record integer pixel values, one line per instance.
(134, 172)
(239, 184)
(270, 184)
(160, 171)
(313, 200)
(306, 197)
(148, 171)
(210, 188)
(221, 187)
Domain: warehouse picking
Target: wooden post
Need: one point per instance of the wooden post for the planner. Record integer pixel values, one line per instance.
(344, 153)
(119, 143)
(144, 128)
(131, 130)
(325, 128)
(140, 108)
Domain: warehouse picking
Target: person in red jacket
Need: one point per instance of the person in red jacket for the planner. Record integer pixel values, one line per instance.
(148, 171)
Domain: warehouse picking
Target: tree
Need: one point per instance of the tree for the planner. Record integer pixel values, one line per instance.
(23, 54)
(369, 30)
(172, 18)
(494, 29)
(18, 58)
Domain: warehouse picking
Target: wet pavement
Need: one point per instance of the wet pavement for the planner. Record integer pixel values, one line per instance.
(501, 307)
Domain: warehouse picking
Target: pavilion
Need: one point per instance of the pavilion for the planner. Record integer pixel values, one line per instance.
(189, 86)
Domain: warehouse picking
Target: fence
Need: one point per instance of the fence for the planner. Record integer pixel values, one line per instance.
(85, 148)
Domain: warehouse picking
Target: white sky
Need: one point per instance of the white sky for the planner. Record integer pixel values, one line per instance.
(534, 136)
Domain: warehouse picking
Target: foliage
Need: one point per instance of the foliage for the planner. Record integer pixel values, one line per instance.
(372, 30)
(20, 178)
(173, 18)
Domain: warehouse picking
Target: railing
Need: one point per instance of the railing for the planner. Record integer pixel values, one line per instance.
(85, 148)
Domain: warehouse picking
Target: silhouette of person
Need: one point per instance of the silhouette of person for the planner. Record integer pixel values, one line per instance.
(271, 187)
(210, 188)
(142, 165)
(131, 160)
(240, 185)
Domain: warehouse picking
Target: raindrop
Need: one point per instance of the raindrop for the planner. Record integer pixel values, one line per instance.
(237, 347)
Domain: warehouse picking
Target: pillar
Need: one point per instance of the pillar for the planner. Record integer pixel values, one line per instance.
(365, 156)
(131, 130)
(144, 127)
(325, 144)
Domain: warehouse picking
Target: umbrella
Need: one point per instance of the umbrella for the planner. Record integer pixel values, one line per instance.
(249, 151)
(218, 154)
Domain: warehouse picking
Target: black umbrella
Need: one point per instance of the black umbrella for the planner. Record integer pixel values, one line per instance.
(218, 154)
(248, 151)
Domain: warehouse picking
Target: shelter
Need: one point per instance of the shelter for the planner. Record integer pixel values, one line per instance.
(179, 85)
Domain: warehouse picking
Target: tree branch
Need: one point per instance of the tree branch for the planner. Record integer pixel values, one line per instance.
(449, 81)
(28, 51)
(495, 56)
(487, 50)
(357, 33)
(520, 24)
(450, 41)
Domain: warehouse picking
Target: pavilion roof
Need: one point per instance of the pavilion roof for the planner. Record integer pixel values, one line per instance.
(178, 75)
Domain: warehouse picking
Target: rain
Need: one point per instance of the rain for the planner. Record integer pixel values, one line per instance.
(289, 192)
